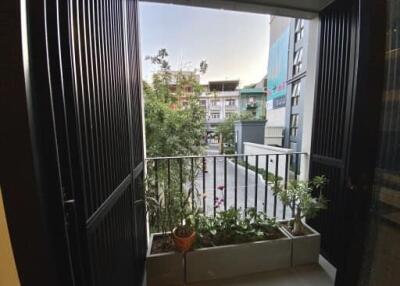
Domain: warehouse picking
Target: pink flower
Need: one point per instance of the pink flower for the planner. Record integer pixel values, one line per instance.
(218, 202)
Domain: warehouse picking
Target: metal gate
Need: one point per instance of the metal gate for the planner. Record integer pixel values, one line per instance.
(94, 72)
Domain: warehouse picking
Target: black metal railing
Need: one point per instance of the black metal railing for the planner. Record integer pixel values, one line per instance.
(218, 182)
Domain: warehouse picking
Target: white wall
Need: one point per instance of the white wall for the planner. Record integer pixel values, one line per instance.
(251, 148)
(273, 136)
(276, 117)
(309, 94)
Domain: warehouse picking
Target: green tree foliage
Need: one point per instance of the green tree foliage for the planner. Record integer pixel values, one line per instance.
(227, 128)
(300, 197)
(173, 129)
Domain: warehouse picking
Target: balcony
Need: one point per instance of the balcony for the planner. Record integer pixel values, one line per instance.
(251, 105)
(230, 107)
(215, 107)
(214, 185)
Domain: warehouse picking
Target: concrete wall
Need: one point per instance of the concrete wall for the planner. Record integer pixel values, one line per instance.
(273, 136)
(276, 117)
(8, 270)
(251, 148)
(309, 90)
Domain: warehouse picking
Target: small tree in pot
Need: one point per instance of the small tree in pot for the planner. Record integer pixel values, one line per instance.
(304, 198)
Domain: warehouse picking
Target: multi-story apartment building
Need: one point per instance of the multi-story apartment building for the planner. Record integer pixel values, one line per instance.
(220, 100)
(287, 71)
(277, 77)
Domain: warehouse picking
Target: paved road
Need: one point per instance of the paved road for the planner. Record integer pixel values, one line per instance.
(230, 186)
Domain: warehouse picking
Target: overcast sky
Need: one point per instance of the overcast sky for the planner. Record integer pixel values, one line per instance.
(234, 44)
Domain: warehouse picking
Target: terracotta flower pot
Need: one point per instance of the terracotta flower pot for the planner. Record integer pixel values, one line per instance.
(183, 244)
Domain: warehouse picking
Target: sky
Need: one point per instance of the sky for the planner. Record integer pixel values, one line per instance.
(234, 44)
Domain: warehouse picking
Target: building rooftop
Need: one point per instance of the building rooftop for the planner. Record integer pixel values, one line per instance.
(223, 85)
(252, 90)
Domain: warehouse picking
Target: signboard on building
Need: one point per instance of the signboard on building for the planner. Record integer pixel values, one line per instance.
(277, 71)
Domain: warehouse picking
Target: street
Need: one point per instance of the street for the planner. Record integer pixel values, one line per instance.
(230, 186)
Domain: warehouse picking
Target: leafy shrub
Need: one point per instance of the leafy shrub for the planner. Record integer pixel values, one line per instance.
(230, 227)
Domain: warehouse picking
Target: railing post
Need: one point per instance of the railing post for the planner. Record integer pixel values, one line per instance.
(192, 174)
(296, 173)
(236, 181)
(276, 179)
(156, 179)
(215, 184)
(286, 182)
(256, 184)
(225, 185)
(181, 181)
(168, 197)
(266, 184)
(245, 183)
(204, 185)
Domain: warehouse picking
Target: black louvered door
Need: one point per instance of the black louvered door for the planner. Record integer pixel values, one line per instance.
(345, 126)
(333, 104)
(94, 70)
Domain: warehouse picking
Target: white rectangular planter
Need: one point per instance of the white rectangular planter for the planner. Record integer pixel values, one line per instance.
(164, 268)
(305, 248)
(237, 259)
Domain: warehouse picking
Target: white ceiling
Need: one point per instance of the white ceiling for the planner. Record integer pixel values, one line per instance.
(292, 8)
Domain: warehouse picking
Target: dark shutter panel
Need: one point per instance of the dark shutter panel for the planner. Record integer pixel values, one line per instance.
(332, 109)
(94, 66)
(345, 128)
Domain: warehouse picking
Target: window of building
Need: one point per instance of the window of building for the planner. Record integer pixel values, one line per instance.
(294, 124)
(297, 62)
(214, 102)
(294, 160)
(230, 102)
(298, 30)
(296, 93)
(203, 103)
(215, 115)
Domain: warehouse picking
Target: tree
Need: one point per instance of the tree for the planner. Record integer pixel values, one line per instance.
(227, 130)
(171, 128)
(298, 196)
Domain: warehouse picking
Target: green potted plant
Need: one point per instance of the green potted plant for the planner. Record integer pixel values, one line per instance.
(305, 199)
(184, 234)
(231, 244)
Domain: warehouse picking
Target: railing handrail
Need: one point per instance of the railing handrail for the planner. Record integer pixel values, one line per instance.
(224, 155)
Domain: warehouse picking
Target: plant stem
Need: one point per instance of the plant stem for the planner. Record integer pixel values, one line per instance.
(298, 227)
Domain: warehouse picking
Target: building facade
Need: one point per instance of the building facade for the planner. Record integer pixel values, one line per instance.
(253, 100)
(220, 100)
(287, 71)
(277, 77)
(297, 72)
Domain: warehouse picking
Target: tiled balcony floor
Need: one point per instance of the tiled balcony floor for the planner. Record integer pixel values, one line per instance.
(310, 275)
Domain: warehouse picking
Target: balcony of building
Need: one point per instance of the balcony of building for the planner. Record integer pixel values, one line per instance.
(213, 185)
